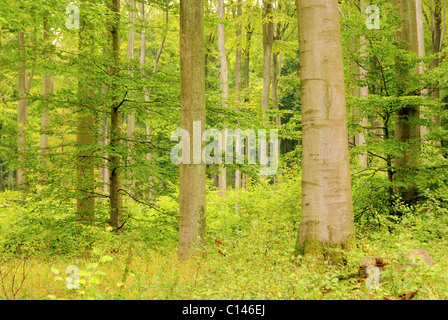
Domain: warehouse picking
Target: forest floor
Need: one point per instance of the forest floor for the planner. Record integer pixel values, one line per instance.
(249, 255)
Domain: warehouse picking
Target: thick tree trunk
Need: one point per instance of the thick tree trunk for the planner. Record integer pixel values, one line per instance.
(192, 226)
(327, 209)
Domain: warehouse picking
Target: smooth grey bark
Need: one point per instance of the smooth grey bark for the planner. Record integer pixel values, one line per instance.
(327, 210)
(47, 90)
(130, 117)
(192, 225)
(224, 87)
(238, 60)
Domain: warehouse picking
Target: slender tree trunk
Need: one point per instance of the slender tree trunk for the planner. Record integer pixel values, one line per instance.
(210, 40)
(268, 38)
(407, 127)
(85, 166)
(327, 209)
(238, 184)
(47, 89)
(361, 92)
(148, 129)
(421, 53)
(147, 92)
(192, 226)
(22, 109)
(437, 39)
(279, 31)
(103, 142)
(249, 32)
(224, 87)
(276, 66)
(115, 164)
(131, 117)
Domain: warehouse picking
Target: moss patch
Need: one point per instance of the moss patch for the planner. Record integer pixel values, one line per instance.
(324, 251)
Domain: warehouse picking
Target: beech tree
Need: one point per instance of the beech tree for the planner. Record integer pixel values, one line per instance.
(407, 125)
(327, 209)
(224, 87)
(238, 60)
(47, 90)
(192, 103)
(23, 86)
(130, 116)
(115, 163)
(86, 122)
(268, 39)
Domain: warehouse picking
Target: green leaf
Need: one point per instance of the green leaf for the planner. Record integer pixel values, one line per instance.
(94, 280)
(58, 278)
(106, 259)
(55, 271)
(52, 297)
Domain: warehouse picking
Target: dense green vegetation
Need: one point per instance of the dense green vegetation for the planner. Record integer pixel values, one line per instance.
(56, 167)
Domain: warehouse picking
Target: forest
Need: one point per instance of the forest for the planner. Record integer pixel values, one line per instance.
(223, 150)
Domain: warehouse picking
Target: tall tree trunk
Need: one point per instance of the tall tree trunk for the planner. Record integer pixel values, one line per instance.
(239, 13)
(103, 142)
(131, 117)
(84, 137)
(47, 89)
(268, 39)
(22, 108)
(192, 226)
(407, 127)
(115, 164)
(209, 41)
(361, 92)
(249, 33)
(148, 129)
(327, 209)
(437, 38)
(279, 31)
(224, 87)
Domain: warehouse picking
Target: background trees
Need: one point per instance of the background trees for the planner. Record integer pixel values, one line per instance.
(86, 117)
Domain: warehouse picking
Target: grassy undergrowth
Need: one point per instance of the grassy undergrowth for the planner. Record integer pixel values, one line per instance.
(249, 254)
